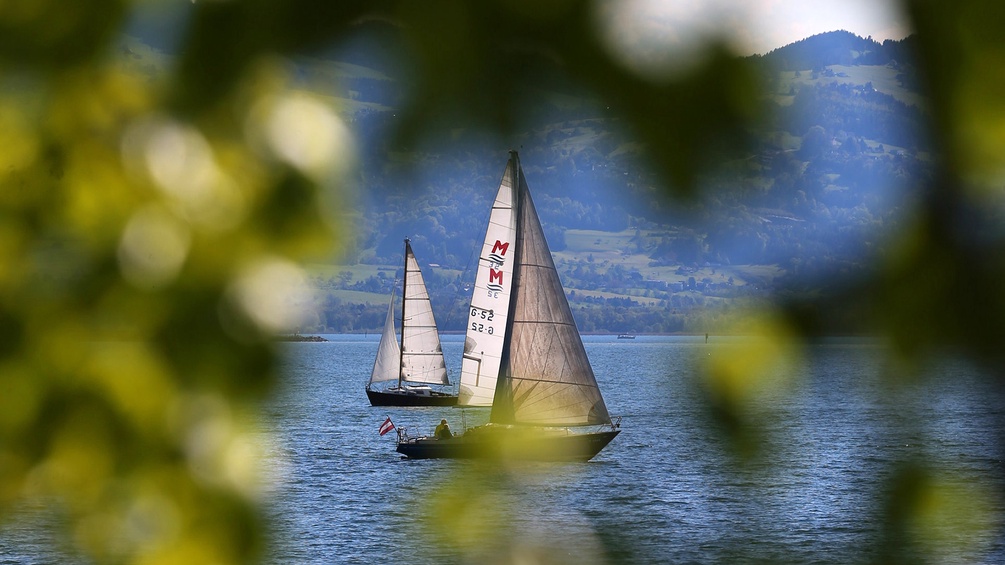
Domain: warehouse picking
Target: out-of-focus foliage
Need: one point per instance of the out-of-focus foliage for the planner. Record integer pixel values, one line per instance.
(943, 285)
(150, 232)
(147, 255)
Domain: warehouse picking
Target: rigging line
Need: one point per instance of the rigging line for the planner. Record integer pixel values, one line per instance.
(577, 407)
(419, 326)
(540, 266)
(546, 322)
(540, 380)
(543, 397)
(528, 404)
(529, 399)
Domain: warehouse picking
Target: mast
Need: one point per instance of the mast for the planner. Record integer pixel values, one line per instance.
(404, 292)
(502, 404)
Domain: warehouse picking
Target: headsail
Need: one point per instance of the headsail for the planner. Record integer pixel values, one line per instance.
(545, 377)
(385, 366)
(490, 300)
(421, 354)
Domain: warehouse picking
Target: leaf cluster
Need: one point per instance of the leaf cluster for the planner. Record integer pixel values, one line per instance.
(150, 230)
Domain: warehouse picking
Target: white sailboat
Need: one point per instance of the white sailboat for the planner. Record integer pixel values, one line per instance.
(546, 404)
(416, 363)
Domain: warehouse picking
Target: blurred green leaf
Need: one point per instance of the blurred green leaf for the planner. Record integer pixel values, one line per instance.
(143, 211)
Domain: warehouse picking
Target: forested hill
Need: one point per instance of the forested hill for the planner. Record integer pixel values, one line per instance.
(828, 171)
(837, 48)
(824, 179)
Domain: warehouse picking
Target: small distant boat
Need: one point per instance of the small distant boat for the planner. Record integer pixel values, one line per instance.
(546, 404)
(417, 362)
(626, 336)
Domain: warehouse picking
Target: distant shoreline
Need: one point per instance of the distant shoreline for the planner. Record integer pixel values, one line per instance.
(298, 337)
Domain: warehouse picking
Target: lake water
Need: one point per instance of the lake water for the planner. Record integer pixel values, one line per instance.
(669, 488)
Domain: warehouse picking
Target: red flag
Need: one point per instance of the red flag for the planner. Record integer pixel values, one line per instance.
(386, 426)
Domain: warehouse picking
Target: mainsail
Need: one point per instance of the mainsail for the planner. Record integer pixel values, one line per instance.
(385, 366)
(490, 300)
(545, 377)
(421, 354)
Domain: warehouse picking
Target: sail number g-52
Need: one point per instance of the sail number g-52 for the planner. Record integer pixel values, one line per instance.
(478, 315)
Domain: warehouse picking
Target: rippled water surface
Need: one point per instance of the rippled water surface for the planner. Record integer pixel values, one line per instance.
(668, 489)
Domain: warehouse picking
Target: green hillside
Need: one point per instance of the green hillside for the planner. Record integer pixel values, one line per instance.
(816, 191)
(884, 78)
(812, 193)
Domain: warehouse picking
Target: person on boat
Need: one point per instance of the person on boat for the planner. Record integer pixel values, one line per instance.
(443, 430)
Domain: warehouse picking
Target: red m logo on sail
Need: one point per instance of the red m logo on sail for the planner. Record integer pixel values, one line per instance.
(501, 248)
(495, 275)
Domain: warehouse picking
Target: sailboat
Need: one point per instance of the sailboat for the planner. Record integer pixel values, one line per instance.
(546, 404)
(416, 362)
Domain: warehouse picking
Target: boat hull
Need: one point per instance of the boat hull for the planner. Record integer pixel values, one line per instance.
(404, 398)
(510, 444)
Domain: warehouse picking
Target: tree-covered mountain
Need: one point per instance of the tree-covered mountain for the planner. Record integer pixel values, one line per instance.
(837, 48)
(813, 191)
(844, 136)
(826, 176)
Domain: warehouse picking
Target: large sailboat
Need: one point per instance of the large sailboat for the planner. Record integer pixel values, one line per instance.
(415, 364)
(526, 348)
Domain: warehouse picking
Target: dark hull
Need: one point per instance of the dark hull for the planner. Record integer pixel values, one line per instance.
(381, 398)
(510, 444)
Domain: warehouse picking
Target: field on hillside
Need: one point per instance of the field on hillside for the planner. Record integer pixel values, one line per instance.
(355, 273)
(601, 251)
(603, 246)
(883, 79)
(625, 249)
(360, 297)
